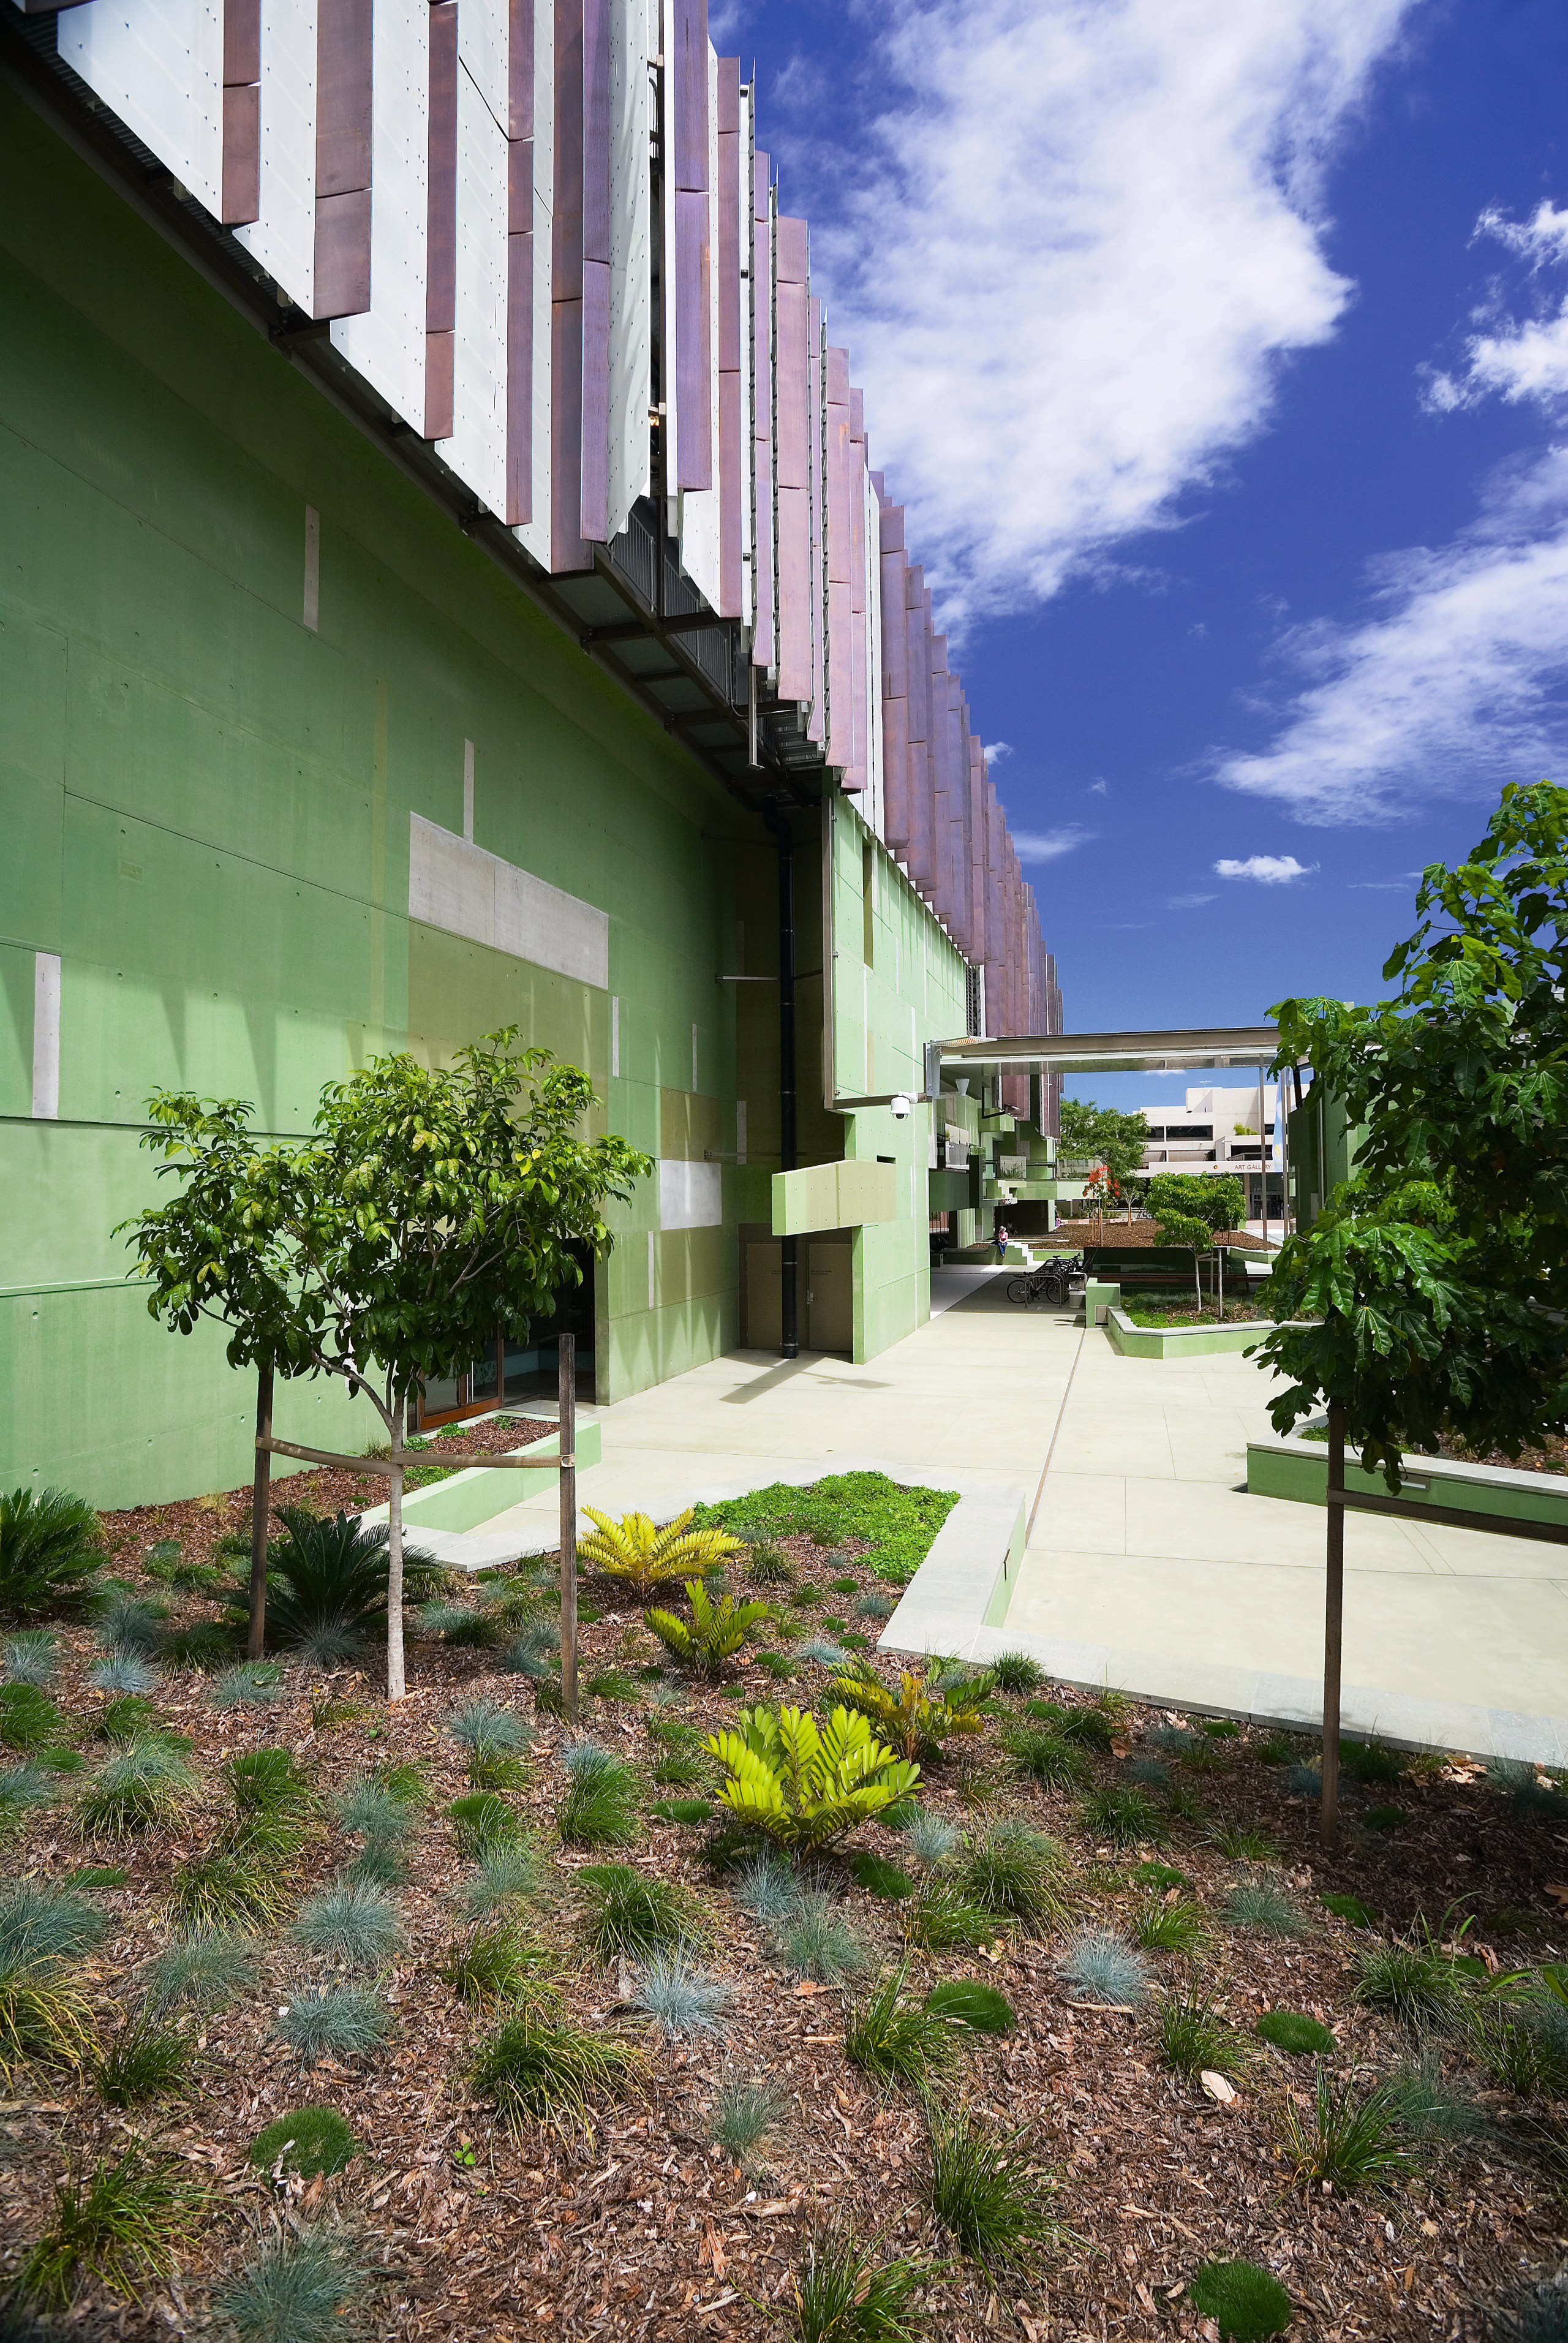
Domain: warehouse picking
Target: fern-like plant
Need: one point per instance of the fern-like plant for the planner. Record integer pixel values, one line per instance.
(923, 1713)
(51, 1544)
(716, 1632)
(807, 1786)
(645, 1557)
(333, 1574)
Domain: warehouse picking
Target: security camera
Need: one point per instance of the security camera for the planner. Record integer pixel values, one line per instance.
(900, 1107)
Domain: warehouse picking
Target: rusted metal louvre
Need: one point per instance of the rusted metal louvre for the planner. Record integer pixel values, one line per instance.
(441, 224)
(686, 168)
(792, 328)
(764, 640)
(343, 89)
(241, 111)
(520, 261)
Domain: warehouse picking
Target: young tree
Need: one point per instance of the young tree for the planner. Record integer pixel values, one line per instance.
(1432, 1282)
(1185, 1233)
(435, 1208)
(1219, 1203)
(1104, 1134)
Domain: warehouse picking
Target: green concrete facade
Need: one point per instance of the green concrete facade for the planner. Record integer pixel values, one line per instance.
(210, 774)
(1299, 1470)
(1322, 1152)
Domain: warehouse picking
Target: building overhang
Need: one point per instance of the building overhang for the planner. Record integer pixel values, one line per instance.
(1203, 1049)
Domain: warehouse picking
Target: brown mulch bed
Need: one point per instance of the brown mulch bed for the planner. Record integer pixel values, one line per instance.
(642, 2229)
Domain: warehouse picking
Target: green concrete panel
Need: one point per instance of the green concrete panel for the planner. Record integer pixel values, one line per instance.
(18, 975)
(1301, 1472)
(692, 1128)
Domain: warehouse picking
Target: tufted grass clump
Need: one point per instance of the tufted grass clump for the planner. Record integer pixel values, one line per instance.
(930, 1838)
(335, 2021)
(1291, 2030)
(764, 1886)
(376, 1810)
(844, 2295)
(1016, 1673)
(1413, 1978)
(1241, 1843)
(1013, 1871)
(628, 1910)
(679, 1996)
(123, 1671)
(241, 1880)
(1429, 2107)
(1103, 1966)
(311, 2140)
(1192, 2038)
(31, 1658)
(894, 2040)
(1348, 1908)
(495, 1965)
(483, 1820)
(985, 2196)
(1259, 1904)
(492, 1737)
(1349, 2138)
(508, 1873)
(815, 1940)
(131, 1717)
(1123, 1816)
(1035, 1755)
(878, 1877)
(118, 2224)
(599, 1805)
(23, 1787)
(351, 1922)
(873, 1605)
(146, 1785)
(251, 1683)
(744, 2111)
(1177, 1926)
(968, 2001)
(1528, 1793)
(941, 1918)
(267, 1782)
(146, 2061)
(1246, 2303)
(43, 2014)
(129, 1622)
(200, 1972)
(296, 2290)
(535, 2069)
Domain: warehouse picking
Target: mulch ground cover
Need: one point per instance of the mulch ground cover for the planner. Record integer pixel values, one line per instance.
(637, 2226)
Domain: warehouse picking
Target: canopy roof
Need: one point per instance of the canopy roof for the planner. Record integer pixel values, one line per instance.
(1209, 1047)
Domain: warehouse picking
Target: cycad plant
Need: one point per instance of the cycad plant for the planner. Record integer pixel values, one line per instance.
(51, 1544)
(923, 1713)
(332, 1574)
(645, 1557)
(717, 1631)
(808, 1786)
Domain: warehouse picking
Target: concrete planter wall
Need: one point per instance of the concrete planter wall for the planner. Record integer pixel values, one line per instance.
(1181, 1342)
(1298, 1469)
(477, 1494)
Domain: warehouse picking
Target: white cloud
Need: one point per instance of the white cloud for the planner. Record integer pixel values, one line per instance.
(1072, 254)
(1187, 902)
(1047, 845)
(1454, 683)
(1100, 789)
(1516, 361)
(1269, 870)
(997, 751)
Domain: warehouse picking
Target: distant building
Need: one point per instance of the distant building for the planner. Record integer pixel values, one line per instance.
(1215, 1133)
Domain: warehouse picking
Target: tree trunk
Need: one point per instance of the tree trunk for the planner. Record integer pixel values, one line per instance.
(260, 1503)
(396, 1684)
(1334, 1625)
(567, 1390)
(1197, 1289)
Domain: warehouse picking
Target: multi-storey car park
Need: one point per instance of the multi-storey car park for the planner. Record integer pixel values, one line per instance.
(446, 587)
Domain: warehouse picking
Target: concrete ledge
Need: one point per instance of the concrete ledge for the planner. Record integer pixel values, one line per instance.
(966, 1582)
(477, 1494)
(1136, 1342)
(1298, 1469)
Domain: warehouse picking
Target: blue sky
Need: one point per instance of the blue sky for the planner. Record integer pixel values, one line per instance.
(1220, 352)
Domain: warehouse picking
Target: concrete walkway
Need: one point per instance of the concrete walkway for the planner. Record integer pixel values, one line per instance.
(1147, 1566)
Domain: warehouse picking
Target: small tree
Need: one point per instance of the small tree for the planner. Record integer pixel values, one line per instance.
(1184, 1233)
(1104, 1134)
(1218, 1202)
(1433, 1280)
(434, 1208)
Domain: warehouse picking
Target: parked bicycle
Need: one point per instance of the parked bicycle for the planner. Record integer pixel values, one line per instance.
(1052, 1283)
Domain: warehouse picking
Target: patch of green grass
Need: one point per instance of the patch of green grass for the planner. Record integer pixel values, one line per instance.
(534, 2070)
(1245, 2302)
(241, 1880)
(1123, 1818)
(117, 2224)
(144, 2061)
(1293, 2031)
(483, 1820)
(312, 2139)
(1349, 2138)
(844, 2295)
(943, 1919)
(1016, 1673)
(1159, 1875)
(628, 1910)
(1036, 1755)
(770, 1567)
(1413, 1978)
(335, 2021)
(689, 1811)
(1240, 1844)
(1346, 1907)
(1192, 2038)
(1013, 1872)
(880, 1878)
(495, 1965)
(1177, 1927)
(860, 1508)
(267, 1782)
(986, 2196)
(967, 2001)
(296, 2290)
(894, 2040)
(600, 1806)
(131, 1718)
(29, 1720)
(146, 1785)
(1369, 1761)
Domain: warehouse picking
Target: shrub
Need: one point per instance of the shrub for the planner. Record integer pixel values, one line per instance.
(1104, 1967)
(943, 1919)
(715, 1634)
(1259, 1904)
(351, 1922)
(600, 1806)
(483, 1821)
(628, 1910)
(1245, 2302)
(495, 1966)
(1038, 1756)
(925, 1710)
(1239, 1844)
(968, 2002)
(148, 1784)
(1192, 2038)
(743, 2110)
(1412, 1978)
(313, 2139)
(1013, 1871)
(1016, 1673)
(51, 1544)
(29, 1720)
(815, 1940)
(119, 2224)
(145, 2060)
(204, 1972)
(1350, 2140)
(335, 2021)
(296, 2290)
(680, 1999)
(1291, 2030)
(1124, 1817)
(1092, 1728)
(898, 2041)
(42, 2014)
(985, 2197)
(803, 1785)
(878, 1877)
(644, 1558)
(333, 1574)
(32, 1657)
(267, 1782)
(532, 2069)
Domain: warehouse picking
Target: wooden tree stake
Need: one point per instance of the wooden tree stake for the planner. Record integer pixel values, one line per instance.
(568, 1474)
(1334, 1622)
(260, 1505)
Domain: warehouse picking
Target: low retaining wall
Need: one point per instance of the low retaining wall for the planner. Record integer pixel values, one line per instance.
(1181, 1341)
(966, 1582)
(1298, 1469)
(480, 1491)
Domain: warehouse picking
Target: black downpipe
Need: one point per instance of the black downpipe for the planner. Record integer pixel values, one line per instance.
(789, 1314)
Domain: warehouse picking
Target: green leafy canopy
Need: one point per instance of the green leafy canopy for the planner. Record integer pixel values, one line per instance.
(1433, 1278)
